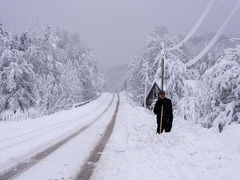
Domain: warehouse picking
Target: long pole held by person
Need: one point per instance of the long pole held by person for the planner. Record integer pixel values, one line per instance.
(160, 129)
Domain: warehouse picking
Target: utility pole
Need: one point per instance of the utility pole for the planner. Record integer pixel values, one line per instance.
(162, 58)
(162, 73)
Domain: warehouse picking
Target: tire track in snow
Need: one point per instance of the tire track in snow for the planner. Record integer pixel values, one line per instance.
(87, 169)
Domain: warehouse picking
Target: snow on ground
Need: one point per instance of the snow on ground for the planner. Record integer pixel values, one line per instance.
(189, 151)
(136, 152)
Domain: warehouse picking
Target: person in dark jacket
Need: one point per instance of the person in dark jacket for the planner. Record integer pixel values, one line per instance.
(163, 108)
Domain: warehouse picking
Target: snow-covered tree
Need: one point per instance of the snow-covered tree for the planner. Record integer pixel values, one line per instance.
(16, 83)
(221, 90)
(45, 57)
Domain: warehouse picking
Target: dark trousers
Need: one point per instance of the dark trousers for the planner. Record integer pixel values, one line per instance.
(166, 127)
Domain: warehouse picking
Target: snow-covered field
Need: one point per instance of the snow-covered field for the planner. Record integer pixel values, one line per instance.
(134, 151)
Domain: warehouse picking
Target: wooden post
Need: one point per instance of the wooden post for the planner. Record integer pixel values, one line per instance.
(160, 130)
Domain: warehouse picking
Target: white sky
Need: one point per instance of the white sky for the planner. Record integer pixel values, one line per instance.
(118, 29)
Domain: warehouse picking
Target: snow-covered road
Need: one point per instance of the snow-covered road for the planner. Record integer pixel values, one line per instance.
(133, 152)
(23, 147)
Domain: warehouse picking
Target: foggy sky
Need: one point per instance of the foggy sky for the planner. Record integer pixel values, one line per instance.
(117, 29)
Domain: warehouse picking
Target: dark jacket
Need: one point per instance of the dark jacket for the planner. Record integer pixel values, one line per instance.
(167, 110)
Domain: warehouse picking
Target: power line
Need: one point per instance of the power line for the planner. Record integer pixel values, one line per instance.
(195, 27)
(214, 39)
